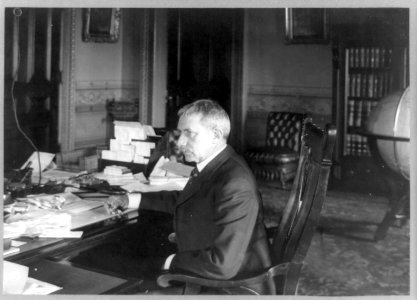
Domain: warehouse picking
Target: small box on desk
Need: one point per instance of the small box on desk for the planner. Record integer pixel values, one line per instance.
(134, 167)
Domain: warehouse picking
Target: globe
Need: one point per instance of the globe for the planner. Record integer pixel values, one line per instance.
(389, 123)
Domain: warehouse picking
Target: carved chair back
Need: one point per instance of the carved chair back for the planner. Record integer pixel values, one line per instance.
(302, 211)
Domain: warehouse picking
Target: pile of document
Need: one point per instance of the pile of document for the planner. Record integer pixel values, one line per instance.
(166, 176)
(117, 171)
(42, 223)
(116, 175)
(130, 143)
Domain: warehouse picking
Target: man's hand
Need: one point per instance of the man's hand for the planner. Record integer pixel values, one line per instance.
(116, 204)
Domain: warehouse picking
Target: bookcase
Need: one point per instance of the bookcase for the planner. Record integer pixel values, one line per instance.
(363, 75)
(370, 50)
(369, 77)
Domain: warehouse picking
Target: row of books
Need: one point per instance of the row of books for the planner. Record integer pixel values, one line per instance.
(358, 111)
(369, 57)
(370, 84)
(356, 145)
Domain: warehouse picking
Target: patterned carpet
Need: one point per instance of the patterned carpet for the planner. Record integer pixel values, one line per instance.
(343, 259)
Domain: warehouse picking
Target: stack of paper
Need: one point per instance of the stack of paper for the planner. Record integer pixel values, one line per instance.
(116, 179)
(130, 143)
(116, 170)
(48, 224)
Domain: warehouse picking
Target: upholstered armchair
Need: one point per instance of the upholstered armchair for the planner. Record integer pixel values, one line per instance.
(277, 160)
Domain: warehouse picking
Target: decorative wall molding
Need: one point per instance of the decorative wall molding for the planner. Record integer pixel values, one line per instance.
(106, 84)
(313, 100)
(261, 99)
(99, 92)
(294, 91)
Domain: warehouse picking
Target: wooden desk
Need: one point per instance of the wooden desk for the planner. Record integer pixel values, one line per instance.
(47, 258)
(78, 281)
(99, 228)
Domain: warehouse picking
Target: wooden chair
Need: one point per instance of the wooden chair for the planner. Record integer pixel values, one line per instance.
(300, 217)
(277, 161)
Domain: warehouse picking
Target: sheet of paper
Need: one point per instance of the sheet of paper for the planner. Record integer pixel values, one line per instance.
(44, 157)
(17, 243)
(37, 287)
(10, 251)
(93, 216)
(149, 130)
(80, 206)
(116, 179)
(60, 233)
(157, 169)
(44, 223)
(14, 229)
(177, 168)
(14, 277)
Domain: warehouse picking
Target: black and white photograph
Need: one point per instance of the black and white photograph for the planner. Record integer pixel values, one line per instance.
(208, 148)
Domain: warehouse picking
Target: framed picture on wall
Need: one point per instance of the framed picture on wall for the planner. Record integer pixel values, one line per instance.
(101, 25)
(306, 26)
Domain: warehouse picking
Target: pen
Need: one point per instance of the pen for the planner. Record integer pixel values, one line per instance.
(28, 171)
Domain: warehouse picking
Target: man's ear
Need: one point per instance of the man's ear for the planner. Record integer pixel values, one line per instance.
(218, 133)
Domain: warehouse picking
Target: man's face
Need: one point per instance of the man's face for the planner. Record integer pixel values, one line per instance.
(197, 142)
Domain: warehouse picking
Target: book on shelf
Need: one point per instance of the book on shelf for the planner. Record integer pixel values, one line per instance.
(369, 57)
(369, 77)
(356, 145)
(370, 85)
(351, 112)
(358, 113)
(358, 110)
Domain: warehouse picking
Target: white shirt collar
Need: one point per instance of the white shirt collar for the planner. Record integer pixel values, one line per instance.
(205, 162)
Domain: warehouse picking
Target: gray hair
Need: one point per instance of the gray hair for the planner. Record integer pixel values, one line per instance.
(213, 115)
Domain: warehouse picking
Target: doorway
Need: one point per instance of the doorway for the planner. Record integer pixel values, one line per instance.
(201, 53)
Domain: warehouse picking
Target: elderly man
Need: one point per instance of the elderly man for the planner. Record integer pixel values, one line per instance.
(218, 216)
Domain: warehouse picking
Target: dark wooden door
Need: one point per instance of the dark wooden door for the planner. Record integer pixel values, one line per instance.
(32, 76)
(199, 58)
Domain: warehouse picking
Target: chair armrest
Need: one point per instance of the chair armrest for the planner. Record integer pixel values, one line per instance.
(164, 279)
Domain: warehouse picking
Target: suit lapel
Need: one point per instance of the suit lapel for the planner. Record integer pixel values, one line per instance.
(205, 175)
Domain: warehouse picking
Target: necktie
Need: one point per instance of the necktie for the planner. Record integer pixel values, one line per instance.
(194, 172)
(193, 175)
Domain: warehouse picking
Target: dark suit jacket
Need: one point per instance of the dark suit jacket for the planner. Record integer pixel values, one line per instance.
(218, 221)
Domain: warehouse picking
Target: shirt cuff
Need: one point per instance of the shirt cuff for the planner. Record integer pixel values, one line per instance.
(134, 200)
(168, 261)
